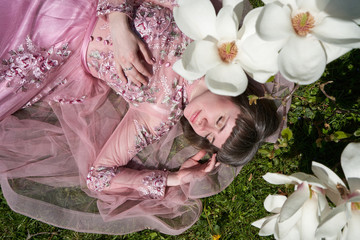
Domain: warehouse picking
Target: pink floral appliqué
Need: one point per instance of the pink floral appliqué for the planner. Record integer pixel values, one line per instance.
(99, 178)
(154, 185)
(27, 66)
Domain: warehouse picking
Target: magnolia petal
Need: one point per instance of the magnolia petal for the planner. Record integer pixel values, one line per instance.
(200, 55)
(302, 60)
(310, 218)
(347, 33)
(274, 22)
(350, 163)
(238, 7)
(277, 178)
(273, 203)
(226, 79)
(308, 178)
(190, 76)
(332, 224)
(312, 6)
(330, 180)
(345, 9)
(293, 234)
(195, 18)
(232, 3)
(286, 229)
(334, 51)
(268, 227)
(260, 222)
(248, 27)
(259, 58)
(227, 24)
(284, 2)
(295, 202)
(323, 204)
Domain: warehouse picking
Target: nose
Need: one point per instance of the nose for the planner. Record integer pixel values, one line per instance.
(204, 126)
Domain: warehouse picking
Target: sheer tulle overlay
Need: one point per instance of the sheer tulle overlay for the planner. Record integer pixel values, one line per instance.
(66, 117)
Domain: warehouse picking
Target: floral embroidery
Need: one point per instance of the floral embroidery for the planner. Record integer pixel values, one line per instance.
(106, 6)
(98, 179)
(27, 66)
(154, 185)
(145, 137)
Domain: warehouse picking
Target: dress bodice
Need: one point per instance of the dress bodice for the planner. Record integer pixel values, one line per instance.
(156, 107)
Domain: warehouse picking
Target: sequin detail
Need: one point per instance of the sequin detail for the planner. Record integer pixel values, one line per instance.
(154, 185)
(99, 178)
(27, 66)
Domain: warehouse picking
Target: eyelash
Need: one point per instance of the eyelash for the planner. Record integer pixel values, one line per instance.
(219, 121)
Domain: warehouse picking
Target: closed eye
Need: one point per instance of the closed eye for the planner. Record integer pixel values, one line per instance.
(220, 123)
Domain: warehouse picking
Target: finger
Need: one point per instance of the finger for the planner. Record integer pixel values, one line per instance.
(139, 78)
(211, 164)
(199, 155)
(120, 72)
(141, 68)
(146, 53)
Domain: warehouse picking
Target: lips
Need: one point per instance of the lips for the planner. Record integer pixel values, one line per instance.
(194, 116)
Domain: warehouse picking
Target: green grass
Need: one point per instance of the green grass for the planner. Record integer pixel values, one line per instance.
(315, 121)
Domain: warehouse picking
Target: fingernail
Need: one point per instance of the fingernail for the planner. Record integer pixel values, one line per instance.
(153, 59)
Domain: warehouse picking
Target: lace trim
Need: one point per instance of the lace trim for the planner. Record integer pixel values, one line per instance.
(27, 66)
(106, 6)
(99, 178)
(154, 185)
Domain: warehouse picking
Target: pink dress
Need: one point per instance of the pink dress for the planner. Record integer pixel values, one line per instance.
(80, 156)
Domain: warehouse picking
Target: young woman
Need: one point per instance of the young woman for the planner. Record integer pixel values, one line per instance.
(115, 149)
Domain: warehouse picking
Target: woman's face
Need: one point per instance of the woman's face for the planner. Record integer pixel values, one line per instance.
(212, 116)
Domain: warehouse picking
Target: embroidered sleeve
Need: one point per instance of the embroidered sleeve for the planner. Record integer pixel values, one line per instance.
(106, 6)
(154, 185)
(99, 178)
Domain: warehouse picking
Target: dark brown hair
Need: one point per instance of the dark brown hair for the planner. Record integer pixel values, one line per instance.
(253, 125)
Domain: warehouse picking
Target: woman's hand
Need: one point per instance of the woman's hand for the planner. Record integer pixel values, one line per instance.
(130, 52)
(191, 169)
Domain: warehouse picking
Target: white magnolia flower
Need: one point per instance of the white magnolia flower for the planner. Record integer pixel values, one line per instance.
(346, 216)
(273, 204)
(218, 47)
(312, 33)
(300, 213)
